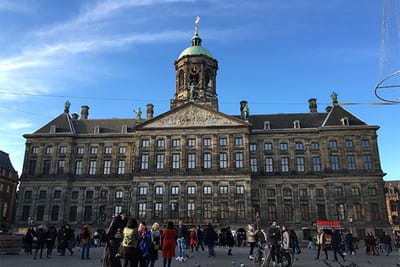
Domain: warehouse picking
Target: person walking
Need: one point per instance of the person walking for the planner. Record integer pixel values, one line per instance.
(155, 244)
(294, 242)
(321, 244)
(85, 241)
(286, 245)
(182, 233)
(274, 236)
(251, 239)
(230, 240)
(29, 237)
(210, 238)
(41, 240)
(130, 244)
(113, 239)
(168, 237)
(200, 238)
(144, 244)
(347, 240)
(336, 245)
(51, 240)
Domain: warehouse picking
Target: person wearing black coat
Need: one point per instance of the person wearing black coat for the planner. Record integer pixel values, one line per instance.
(113, 238)
(210, 238)
(336, 245)
(230, 241)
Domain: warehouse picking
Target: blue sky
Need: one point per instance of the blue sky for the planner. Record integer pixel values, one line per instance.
(116, 56)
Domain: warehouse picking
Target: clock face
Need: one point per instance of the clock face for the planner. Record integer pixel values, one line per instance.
(194, 69)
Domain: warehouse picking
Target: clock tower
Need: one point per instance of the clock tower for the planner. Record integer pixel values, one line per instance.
(196, 71)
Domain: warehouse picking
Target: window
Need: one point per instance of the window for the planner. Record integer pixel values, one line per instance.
(89, 194)
(75, 195)
(92, 167)
(319, 192)
(145, 143)
(349, 143)
(271, 210)
(338, 191)
(122, 150)
(175, 161)
(357, 211)
(285, 164)
(142, 210)
(160, 143)
(374, 211)
(57, 194)
(63, 150)
(46, 166)
(340, 211)
(314, 146)
(283, 147)
(143, 191)
(371, 191)
(367, 162)
(288, 212)
(191, 161)
(207, 160)
(93, 150)
(207, 211)
(191, 142)
(117, 210)
(287, 192)
(238, 141)
(35, 150)
(316, 164)
(223, 189)
(42, 194)
(271, 192)
(267, 125)
(365, 143)
(223, 160)
(191, 209)
(39, 213)
(73, 213)
(158, 210)
(107, 167)
(269, 166)
(60, 167)
(49, 150)
(103, 194)
(332, 144)
(321, 212)
(160, 161)
(223, 212)
(55, 210)
(351, 162)
(223, 141)
(238, 160)
(174, 211)
(296, 124)
(299, 146)
(207, 142)
(268, 147)
(253, 147)
(119, 194)
(303, 192)
(159, 190)
(176, 143)
(28, 195)
(108, 150)
(334, 162)
(300, 164)
(253, 165)
(79, 150)
(207, 190)
(32, 167)
(355, 191)
(145, 162)
(239, 189)
(191, 190)
(175, 190)
(240, 210)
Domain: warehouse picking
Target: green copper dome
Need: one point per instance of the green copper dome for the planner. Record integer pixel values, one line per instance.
(196, 48)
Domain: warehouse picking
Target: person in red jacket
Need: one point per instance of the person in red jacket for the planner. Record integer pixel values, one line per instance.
(168, 242)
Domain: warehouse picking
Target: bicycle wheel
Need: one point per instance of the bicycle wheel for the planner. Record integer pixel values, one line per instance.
(257, 258)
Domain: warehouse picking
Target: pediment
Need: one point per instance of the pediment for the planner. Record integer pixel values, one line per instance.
(192, 116)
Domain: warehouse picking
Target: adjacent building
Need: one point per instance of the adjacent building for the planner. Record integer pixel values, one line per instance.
(8, 189)
(197, 163)
(392, 191)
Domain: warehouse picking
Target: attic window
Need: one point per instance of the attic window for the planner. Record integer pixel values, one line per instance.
(53, 129)
(296, 124)
(124, 129)
(345, 121)
(267, 125)
(97, 129)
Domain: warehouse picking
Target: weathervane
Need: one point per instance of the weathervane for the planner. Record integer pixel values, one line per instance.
(196, 29)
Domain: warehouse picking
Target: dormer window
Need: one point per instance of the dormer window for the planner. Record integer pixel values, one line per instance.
(296, 124)
(345, 121)
(96, 129)
(53, 129)
(267, 125)
(124, 129)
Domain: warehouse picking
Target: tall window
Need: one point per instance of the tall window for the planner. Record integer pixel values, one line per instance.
(160, 161)
(63, 150)
(108, 150)
(143, 191)
(175, 161)
(207, 210)
(288, 212)
(60, 166)
(314, 146)
(145, 162)
(240, 189)
(334, 162)
(39, 213)
(340, 211)
(316, 164)
(367, 162)
(283, 146)
(79, 150)
(122, 150)
(191, 190)
(299, 146)
(35, 150)
(49, 150)
(240, 210)
(224, 210)
(191, 142)
(321, 212)
(174, 210)
(207, 142)
(223, 160)
(145, 143)
(253, 147)
(271, 211)
(269, 166)
(158, 210)
(159, 190)
(351, 162)
(160, 143)
(253, 165)
(46, 166)
(32, 167)
(191, 160)
(191, 209)
(119, 194)
(176, 143)
(349, 143)
(175, 190)
(365, 143)
(142, 210)
(207, 160)
(93, 150)
(73, 213)
(107, 167)
(238, 141)
(268, 147)
(300, 164)
(357, 211)
(223, 189)
(238, 160)
(55, 210)
(92, 167)
(332, 144)
(305, 212)
(223, 141)
(207, 190)
(25, 213)
(285, 164)
(117, 209)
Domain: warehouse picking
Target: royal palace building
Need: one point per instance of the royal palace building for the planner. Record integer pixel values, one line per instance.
(197, 163)
(8, 189)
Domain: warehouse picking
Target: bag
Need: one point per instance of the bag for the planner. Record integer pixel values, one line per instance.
(35, 239)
